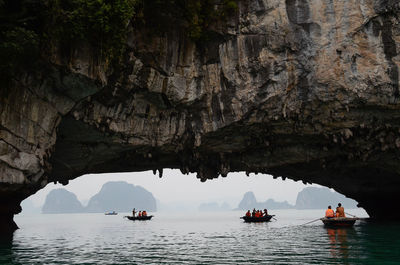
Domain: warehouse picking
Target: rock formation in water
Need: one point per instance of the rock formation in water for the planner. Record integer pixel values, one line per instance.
(320, 198)
(302, 89)
(62, 201)
(28, 207)
(121, 196)
(249, 202)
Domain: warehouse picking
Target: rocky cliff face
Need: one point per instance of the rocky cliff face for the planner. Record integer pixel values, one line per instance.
(303, 89)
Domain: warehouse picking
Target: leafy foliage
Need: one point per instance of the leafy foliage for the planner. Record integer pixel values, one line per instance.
(19, 41)
(28, 27)
(195, 16)
(103, 23)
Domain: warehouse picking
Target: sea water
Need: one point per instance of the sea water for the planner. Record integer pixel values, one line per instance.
(199, 238)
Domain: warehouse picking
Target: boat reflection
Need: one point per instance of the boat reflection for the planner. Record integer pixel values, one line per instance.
(339, 245)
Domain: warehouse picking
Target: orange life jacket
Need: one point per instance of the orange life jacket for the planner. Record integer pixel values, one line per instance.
(144, 213)
(140, 214)
(329, 213)
(340, 212)
(248, 214)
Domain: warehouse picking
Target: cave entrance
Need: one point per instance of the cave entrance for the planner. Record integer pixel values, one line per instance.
(175, 192)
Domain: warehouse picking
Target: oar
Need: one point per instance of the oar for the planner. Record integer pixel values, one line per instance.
(351, 215)
(311, 221)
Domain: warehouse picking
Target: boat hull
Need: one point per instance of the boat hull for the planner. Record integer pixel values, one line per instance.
(249, 219)
(141, 218)
(339, 221)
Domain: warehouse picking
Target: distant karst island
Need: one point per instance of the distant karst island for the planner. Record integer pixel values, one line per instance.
(116, 196)
(308, 198)
(320, 198)
(121, 196)
(249, 202)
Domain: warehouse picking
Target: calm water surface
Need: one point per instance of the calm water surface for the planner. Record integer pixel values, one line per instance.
(199, 238)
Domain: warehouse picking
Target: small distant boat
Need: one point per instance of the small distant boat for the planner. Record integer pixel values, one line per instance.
(111, 213)
(250, 219)
(139, 218)
(339, 221)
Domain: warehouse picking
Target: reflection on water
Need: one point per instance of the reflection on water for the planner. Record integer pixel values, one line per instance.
(200, 238)
(339, 244)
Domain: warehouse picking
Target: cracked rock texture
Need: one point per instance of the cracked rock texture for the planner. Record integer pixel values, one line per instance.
(303, 89)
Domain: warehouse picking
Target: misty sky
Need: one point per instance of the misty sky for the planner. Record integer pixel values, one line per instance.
(175, 187)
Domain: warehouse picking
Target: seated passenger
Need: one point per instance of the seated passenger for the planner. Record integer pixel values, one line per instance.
(140, 214)
(329, 212)
(340, 211)
(248, 214)
(144, 213)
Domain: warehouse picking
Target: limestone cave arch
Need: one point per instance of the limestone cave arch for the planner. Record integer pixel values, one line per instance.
(280, 89)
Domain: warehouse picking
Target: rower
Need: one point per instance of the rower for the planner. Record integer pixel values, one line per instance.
(329, 212)
(133, 212)
(340, 211)
(265, 212)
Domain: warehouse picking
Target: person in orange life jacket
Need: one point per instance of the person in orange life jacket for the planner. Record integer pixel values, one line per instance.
(144, 213)
(253, 214)
(329, 212)
(140, 214)
(248, 214)
(340, 211)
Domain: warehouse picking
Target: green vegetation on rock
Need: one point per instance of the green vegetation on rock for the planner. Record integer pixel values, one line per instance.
(29, 28)
(102, 23)
(194, 16)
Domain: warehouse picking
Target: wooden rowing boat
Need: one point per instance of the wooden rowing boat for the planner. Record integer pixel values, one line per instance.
(250, 219)
(139, 218)
(339, 221)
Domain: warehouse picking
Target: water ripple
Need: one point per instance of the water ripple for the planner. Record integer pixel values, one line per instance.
(199, 239)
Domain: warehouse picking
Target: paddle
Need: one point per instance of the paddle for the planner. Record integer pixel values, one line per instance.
(351, 215)
(311, 221)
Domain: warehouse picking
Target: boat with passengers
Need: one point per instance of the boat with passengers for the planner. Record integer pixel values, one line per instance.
(139, 218)
(253, 219)
(339, 221)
